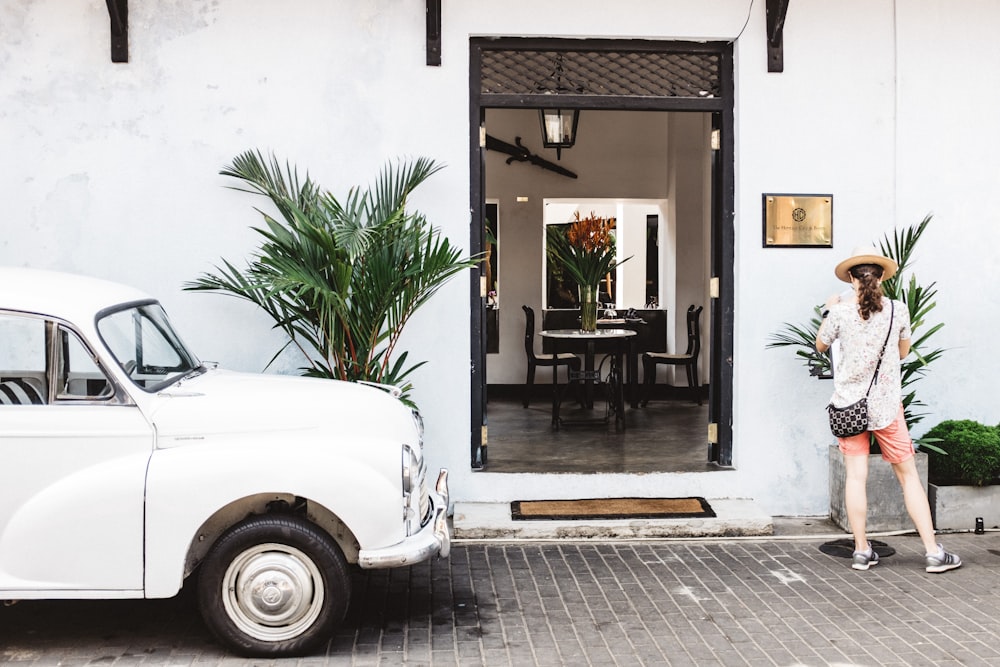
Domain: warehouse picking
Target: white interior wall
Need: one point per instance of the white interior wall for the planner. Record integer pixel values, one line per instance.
(615, 156)
(679, 159)
(632, 244)
(689, 153)
(668, 265)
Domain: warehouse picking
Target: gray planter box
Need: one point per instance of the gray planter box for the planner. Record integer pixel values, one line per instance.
(886, 510)
(956, 507)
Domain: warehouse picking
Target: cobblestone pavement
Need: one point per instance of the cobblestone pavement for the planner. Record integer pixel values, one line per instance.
(735, 602)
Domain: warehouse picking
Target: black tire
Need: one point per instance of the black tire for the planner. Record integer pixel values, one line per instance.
(273, 585)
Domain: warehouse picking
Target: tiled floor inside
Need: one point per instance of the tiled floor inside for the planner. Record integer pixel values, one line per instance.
(665, 436)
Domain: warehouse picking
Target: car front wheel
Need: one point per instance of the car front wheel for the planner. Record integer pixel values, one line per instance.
(274, 585)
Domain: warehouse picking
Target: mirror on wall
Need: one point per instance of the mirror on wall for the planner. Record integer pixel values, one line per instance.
(492, 250)
(491, 265)
(641, 235)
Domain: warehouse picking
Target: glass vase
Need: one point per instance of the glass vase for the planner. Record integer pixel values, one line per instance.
(588, 307)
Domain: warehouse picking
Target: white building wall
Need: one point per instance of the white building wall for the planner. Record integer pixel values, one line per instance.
(112, 169)
(824, 125)
(948, 165)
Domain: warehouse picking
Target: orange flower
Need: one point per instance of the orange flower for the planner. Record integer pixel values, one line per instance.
(585, 248)
(591, 234)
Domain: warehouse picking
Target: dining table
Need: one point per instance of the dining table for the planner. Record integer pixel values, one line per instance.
(651, 336)
(589, 376)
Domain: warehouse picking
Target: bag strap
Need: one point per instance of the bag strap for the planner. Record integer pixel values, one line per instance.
(892, 316)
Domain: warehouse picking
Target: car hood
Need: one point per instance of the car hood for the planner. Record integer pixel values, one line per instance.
(221, 402)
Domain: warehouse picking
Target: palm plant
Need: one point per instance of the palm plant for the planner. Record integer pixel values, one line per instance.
(919, 301)
(340, 278)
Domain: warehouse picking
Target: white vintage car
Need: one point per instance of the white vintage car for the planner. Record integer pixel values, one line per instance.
(127, 465)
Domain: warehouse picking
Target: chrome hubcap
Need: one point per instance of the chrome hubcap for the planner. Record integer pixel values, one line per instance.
(273, 592)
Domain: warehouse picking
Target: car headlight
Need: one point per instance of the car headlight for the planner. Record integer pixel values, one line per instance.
(418, 422)
(416, 499)
(412, 462)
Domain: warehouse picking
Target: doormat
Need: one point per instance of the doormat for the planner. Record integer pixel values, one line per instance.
(844, 548)
(611, 508)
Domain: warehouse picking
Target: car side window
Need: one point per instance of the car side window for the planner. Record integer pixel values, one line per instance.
(78, 376)
(22, 360)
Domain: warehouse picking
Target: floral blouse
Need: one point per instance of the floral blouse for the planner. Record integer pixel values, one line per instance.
(854, 361)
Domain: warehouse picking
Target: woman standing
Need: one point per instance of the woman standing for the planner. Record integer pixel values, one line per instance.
(866, 323)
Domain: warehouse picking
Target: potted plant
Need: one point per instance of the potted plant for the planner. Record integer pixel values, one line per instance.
(964, 484)
(585, 248)
(340, 277)
(919, 300)
(886, 508)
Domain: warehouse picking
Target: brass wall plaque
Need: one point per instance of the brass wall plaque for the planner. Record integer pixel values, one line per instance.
(798, 221)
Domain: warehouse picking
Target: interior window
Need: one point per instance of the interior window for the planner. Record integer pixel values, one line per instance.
(22, 360)
(79, 377)
(643, 244)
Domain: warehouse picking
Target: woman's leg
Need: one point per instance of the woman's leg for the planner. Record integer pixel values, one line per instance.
(897, 448)
(915, 499)
(856, 498)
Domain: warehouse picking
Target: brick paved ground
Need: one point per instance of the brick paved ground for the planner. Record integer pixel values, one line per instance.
(760, 602)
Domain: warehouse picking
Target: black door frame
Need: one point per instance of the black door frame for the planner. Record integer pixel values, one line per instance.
(723, 208)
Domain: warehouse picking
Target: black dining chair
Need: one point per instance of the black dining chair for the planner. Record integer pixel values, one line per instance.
(570, 361)
(689, 360)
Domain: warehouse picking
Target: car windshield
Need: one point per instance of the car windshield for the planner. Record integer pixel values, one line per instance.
(146, 346)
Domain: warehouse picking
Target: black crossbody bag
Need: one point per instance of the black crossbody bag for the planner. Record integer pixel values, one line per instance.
(853, 419)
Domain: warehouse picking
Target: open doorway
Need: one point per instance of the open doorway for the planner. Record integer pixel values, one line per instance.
(653, 172)
(663, 158)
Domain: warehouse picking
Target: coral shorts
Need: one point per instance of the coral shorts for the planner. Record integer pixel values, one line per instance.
(894, 441)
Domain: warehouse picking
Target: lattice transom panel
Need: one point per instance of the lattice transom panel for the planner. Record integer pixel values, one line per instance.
(601, 73)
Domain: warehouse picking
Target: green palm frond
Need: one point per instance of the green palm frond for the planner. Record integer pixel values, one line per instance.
(919, 300)
(803, 337)
(341, 278)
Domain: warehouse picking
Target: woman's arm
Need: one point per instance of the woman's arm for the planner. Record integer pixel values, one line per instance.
(822, 347)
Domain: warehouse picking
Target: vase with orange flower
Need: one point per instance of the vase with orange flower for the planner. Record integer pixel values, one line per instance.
(585, 248)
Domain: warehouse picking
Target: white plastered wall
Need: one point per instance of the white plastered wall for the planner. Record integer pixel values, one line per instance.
(112, 170)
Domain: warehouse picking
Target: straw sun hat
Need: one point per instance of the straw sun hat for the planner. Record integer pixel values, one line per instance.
(866, 255)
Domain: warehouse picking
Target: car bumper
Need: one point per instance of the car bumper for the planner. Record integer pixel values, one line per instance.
(434, 539)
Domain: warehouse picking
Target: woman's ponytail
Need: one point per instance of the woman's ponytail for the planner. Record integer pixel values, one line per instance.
(870, 290)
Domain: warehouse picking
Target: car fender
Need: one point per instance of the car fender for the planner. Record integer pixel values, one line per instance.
(186, 486)
(48, 546)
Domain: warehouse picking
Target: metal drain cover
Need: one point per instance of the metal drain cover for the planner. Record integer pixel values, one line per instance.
(844, 548)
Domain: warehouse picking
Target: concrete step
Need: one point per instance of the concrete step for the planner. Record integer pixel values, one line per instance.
(734, 517)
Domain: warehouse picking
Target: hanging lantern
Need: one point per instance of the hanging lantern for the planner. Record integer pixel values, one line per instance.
(559, 128)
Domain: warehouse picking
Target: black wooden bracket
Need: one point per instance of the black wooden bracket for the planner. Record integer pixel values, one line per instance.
(776, 10)
(118, 11)
(433, 32)
(520, 153)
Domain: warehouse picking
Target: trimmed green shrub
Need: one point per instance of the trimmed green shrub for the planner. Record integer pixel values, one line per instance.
(973, 453)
